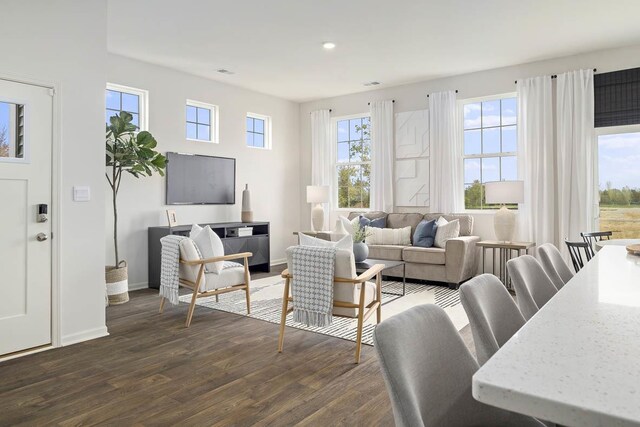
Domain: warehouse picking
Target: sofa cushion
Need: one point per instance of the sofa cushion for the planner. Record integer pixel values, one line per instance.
(446, 231)
(465, 220)
(401, 220)
(388, 236)
(425, 233)
(376, 223)
(424, 255)
(369, 214)
(390, 252)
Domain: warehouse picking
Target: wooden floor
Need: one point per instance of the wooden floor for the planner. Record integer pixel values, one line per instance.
(224, 370)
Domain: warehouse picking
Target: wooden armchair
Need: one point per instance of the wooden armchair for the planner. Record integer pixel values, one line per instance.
(233, 277)
(365, 300)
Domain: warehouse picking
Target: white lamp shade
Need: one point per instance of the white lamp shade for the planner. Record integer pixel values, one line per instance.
(504, 192)
(317, 193)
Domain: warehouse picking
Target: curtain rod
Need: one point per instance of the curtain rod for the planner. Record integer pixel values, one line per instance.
(393, 100)
(555, 76)
(456, 92)
(330, 110)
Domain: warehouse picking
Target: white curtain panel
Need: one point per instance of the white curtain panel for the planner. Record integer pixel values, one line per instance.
(537, 161)
(321, 151)
(382, 155)
(577, 155)
(445, 172)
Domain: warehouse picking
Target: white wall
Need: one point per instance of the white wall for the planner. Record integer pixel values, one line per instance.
(64, 42)
(414, 97)
(272, 175)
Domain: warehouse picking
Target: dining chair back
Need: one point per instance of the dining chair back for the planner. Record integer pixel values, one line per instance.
(429, 379)
(575, 249)
(553, 264)
(533, 287)
(493, 314)
(596, 236)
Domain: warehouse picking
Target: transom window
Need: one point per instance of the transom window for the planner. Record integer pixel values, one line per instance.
(490, 145)
(122, 98)
(201, 121)
(258, 131)
(353, 162)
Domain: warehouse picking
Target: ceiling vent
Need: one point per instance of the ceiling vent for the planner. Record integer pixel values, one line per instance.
(372, 83)
(224, 71)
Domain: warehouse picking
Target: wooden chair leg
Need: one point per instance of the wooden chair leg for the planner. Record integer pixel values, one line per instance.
(247, 281)
(379, 298)
(192, 306)
(283, 318)
(162, 301)
(360, 322)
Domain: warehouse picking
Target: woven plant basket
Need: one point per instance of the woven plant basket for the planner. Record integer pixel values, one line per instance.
(117, 283)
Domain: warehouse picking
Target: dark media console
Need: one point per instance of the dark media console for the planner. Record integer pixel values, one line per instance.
(258, 244)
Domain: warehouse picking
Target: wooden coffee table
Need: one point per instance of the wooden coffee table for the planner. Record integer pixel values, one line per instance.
(363, 266)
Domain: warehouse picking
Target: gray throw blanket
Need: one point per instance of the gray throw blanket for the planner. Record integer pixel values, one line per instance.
(170, 267)
(312, 287)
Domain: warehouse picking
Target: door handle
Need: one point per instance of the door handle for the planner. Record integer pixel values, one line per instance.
(41, 237)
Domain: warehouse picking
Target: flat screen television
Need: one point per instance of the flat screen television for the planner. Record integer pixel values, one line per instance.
(193, 179)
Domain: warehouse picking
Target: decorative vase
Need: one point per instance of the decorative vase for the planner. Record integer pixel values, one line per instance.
(360, 251)
(247, 213)
(339, 231)
(117, 283)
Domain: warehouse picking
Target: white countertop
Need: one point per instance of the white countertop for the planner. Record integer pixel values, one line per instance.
(577, 361)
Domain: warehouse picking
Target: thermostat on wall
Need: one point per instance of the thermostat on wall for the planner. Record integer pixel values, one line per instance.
(81, 194)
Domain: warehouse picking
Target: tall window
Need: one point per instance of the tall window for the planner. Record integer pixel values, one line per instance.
(202, 123)
(353, 162)
(122, 98)
(258, 131)
(619, 176)
(490, 144)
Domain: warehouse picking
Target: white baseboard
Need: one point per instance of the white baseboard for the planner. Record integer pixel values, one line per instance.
(138, 286)
(84, 336)
(278, 262)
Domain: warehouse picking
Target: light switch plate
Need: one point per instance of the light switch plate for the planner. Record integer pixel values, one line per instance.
(81, 194)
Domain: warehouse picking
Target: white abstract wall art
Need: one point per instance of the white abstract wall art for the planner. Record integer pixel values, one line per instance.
(412, 158)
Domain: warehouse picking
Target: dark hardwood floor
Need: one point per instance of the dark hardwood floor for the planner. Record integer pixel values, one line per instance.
(224, 370)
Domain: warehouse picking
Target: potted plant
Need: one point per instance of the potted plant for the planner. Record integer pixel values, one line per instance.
(360, 248)
(133, 152)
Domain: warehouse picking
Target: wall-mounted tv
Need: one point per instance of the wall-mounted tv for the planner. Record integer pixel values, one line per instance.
(194, 179)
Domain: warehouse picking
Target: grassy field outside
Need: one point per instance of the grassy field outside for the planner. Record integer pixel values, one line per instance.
(624, 221)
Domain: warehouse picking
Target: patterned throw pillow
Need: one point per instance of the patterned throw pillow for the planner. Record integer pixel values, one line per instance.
(389, 236)
(376, 223)
(425, 234)
(446, 231)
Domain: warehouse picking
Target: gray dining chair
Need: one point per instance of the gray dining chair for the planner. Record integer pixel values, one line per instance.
(553, 264)
(493, 314)
(533, 287)
(427, 369)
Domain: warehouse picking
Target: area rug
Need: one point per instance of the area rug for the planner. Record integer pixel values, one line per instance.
(266, 304)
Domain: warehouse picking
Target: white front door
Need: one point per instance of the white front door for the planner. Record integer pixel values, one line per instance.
(25, 242)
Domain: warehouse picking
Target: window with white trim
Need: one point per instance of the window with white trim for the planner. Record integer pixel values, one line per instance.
(201, 121)
(490, 143)
(258, 131)
(353, 162)
(123, 98)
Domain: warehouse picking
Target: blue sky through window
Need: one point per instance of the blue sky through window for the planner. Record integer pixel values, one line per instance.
(619, 157)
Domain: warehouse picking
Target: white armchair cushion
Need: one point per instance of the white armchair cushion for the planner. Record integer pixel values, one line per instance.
(231, 274)
(189, 252)
(389, 236)
(345, 243)
(209, 245)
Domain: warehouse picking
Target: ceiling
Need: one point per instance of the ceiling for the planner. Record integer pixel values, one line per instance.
(275, 46)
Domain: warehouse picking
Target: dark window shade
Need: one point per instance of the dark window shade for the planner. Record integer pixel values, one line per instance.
(617, 98)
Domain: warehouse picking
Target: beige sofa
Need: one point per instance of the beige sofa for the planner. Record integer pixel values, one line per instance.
(453, 265)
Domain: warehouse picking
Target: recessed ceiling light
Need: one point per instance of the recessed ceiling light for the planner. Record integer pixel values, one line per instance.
(223, 71)
(372, 83)
(328, 45)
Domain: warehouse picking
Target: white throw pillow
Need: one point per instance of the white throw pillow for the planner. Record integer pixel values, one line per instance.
(389, 236)
(350, 224)
(446, 230)
(209, 245)
(345, 243)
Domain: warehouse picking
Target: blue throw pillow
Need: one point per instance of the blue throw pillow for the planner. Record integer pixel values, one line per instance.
(376, 223)
(425, 233)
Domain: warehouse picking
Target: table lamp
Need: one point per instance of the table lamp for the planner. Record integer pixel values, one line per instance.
(504, 192)
(317, 194)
